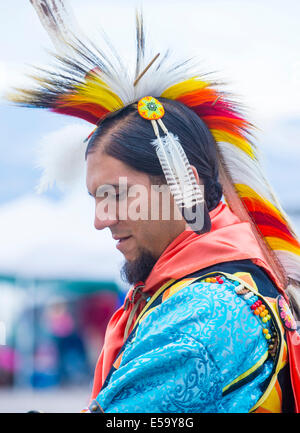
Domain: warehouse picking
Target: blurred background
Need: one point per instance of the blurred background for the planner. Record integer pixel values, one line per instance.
(59, 277)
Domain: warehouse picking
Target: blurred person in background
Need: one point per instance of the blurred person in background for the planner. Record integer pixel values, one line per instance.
(73, 365)
(208, 325)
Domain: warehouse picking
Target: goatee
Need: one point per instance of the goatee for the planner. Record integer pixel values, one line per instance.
(139, 269)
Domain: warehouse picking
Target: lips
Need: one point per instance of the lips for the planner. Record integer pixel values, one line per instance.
(122, 242)
(120, 238)
(124, 239)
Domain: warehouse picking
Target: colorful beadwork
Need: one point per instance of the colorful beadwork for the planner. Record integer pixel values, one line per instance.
(262, 313)
(150, 108)
(285, 314)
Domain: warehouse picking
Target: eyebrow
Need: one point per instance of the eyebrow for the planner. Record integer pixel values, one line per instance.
(115, 185)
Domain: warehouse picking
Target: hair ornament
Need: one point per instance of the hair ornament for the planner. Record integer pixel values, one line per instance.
(175, 165)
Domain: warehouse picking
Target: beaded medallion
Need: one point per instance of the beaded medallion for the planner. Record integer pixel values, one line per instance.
(150, 108)
(285, 314)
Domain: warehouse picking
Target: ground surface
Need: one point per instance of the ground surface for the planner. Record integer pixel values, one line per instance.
(63, 400)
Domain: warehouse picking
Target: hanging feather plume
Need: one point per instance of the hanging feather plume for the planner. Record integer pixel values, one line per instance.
(183, 186)
(90, 82)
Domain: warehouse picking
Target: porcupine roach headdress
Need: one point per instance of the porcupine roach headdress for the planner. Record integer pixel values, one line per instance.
(88, 84)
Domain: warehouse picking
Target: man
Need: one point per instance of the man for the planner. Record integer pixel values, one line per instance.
(206, 326)
(194, 345)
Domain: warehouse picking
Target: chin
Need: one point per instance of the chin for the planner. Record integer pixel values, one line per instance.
(130, 258)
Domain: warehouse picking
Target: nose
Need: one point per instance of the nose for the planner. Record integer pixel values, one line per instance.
(102, 223)
(104, 218)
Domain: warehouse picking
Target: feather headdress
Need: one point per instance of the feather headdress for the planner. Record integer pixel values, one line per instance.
(89, 84)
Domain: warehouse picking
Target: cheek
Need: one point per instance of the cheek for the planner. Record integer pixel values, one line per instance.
(151, 234)
(162, 206)
(143, 234)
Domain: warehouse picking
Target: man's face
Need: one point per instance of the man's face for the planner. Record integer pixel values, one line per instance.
(152, 232)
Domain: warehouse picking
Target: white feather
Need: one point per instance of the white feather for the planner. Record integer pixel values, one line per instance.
(177, 171)
(245, 170)
(60, 156)
(293, 291)
(58, 20)
(248, 171)
(290, 262)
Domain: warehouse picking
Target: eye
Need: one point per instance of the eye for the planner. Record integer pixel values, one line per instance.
(121, 195)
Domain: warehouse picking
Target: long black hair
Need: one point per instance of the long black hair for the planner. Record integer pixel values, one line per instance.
(126, 136)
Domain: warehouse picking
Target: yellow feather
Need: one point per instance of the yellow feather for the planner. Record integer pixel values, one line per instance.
(246, 191)
(281, 244)
(226, 137)
(95, 91)
(184, 87)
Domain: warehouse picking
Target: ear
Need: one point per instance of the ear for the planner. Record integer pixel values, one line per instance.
(195, 174)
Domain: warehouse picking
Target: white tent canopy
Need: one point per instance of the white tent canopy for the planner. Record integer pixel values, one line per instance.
(41, 238)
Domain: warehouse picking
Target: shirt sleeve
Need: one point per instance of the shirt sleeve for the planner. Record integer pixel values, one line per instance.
(176, 376)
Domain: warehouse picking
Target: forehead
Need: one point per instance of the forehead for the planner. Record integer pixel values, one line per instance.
(103, 169)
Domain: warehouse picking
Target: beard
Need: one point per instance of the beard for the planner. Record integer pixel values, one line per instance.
(139, 269)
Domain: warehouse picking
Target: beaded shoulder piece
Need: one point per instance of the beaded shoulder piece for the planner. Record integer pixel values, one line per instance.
(259, 305)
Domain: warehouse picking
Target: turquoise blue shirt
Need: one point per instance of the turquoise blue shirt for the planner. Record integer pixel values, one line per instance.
(201, 350)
